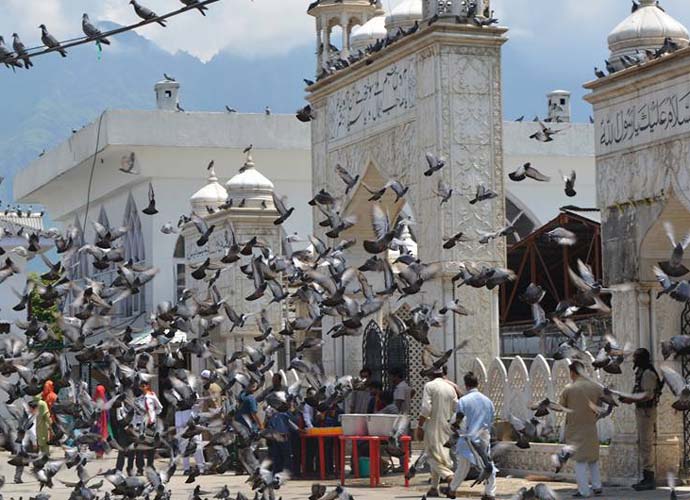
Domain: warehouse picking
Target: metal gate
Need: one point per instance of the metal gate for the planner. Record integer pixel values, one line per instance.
(685, 367)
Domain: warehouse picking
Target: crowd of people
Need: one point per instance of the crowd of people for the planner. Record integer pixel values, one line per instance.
(446, 410)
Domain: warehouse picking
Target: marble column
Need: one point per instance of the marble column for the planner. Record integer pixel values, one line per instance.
(345, 25)
(319, 45)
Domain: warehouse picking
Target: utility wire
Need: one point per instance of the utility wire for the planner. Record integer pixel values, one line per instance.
(73, 42)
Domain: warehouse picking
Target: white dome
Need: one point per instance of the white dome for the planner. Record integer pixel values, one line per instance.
(371, 31)
(212, 195)
(644, 29)
(250, 186)
(404, 15)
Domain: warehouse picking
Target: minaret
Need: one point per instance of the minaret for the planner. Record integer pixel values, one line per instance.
(344, 13)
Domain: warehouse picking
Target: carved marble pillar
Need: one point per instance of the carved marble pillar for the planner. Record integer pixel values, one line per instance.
(319, 45)
(345, 26)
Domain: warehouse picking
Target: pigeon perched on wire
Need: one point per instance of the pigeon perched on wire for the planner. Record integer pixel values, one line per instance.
(146, 14)
(91, 31)
(200, 8)
(50, 41)
(7, 57)
(20, 50)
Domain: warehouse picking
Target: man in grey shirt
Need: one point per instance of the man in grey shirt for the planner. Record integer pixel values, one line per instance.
(359, 400)
(402, 392)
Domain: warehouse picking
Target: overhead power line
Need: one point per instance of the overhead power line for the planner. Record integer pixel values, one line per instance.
(73, 42)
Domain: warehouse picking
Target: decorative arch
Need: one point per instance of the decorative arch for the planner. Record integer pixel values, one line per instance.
(79, 262)
(103, 219)
(134, 250)
(479, 370)
(134, 239)
(516, 398)
(497, 379)
(360, 206)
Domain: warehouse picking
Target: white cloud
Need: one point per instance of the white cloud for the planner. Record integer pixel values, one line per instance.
(269, 27)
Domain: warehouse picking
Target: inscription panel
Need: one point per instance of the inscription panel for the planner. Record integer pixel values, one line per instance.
(378, 98)
(657, 115)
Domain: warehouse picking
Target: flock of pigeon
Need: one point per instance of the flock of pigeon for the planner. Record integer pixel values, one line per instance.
(320, 278)
(21, 57)
(336, 63)
(626, 61)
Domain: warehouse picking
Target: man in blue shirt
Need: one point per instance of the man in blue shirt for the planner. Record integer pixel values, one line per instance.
(476, 415)
(249, 408)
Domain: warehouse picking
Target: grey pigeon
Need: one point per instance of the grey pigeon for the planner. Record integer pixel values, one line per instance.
(145, 13)
(50, 41)
(20, 49)
(201, 8)
(91, 31)
(6, 55)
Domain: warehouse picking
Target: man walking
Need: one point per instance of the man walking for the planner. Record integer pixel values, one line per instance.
(581, 429)
(647, 381)
(438, 405)
(475, 416)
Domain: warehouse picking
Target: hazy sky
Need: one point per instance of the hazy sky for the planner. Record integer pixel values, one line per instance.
(553, 43)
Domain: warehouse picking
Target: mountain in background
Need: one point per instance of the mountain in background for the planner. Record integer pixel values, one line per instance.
(43, 105)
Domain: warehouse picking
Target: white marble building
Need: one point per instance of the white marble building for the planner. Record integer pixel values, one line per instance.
(172, 150)
(642, 136)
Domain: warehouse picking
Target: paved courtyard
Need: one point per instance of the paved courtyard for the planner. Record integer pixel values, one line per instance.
(299, 490)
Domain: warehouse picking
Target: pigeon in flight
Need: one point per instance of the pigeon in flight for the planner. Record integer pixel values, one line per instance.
(50, 41)
(570, 184)
(525, 171)
(434, 164)
(483, 193)
(151, 208)
(346, 178)
(674, 266)
(91, 31)
(128, 164)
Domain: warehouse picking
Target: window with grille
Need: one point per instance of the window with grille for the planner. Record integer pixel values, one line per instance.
(373, 351)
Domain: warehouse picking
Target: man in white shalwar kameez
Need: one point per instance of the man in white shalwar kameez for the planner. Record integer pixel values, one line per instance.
(438, 407)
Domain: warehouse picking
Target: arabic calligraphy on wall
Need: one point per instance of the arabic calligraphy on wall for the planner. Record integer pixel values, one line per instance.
(378, 98)
(649, 118)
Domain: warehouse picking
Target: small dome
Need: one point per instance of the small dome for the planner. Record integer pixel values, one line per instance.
(251, 187)
(404, 15)
(212, 195)
(368, 33)
(644, 29)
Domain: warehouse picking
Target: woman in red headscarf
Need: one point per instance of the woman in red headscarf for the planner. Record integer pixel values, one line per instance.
(102, 425)
(49, 396)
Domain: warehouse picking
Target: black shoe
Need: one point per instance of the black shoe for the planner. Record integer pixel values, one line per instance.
(647, 484)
